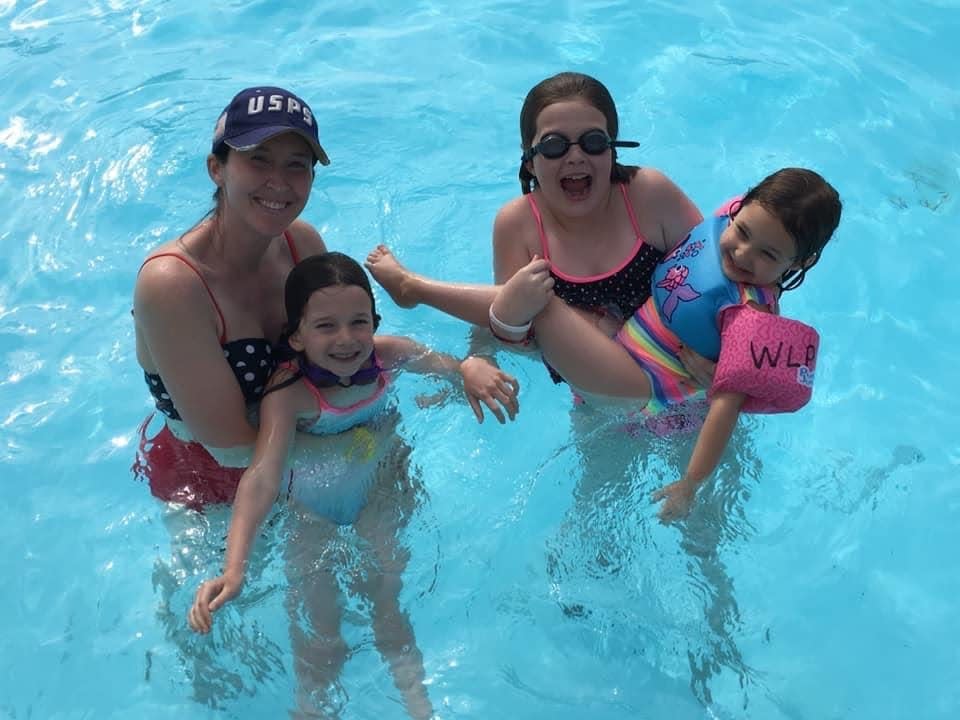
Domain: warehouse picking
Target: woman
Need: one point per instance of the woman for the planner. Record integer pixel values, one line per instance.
(208, 306)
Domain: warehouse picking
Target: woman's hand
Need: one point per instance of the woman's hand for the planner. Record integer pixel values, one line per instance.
(485, 383)
(210, 597)
(677, 499)
(700, 368)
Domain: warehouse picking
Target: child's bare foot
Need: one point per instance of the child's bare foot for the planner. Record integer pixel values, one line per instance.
(399, 282)
(525, 294)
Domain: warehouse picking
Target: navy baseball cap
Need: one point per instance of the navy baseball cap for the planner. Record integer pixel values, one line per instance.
(259, 113)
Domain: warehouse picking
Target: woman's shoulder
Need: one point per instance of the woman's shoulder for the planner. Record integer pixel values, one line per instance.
(170, 276)
(514, 213)
(306, 239)
(649, 180)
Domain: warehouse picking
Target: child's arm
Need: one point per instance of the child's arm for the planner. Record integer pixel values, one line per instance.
(256, 493)
(711, 442)
(482, 380)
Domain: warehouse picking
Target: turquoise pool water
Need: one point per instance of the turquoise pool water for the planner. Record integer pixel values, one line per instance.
(817, 578)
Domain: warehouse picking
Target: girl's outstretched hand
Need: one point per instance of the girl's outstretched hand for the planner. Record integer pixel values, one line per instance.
(210, 597)
(677, 498)
(485, 383)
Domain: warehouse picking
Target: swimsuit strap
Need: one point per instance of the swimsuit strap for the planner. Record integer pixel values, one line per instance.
(634, 223)
(536, 216)
(323, 405)
(216, 306)
(291, 246)
(630, 212)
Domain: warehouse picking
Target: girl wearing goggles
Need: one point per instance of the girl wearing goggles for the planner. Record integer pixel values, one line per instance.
(706, 295)
(604, 226)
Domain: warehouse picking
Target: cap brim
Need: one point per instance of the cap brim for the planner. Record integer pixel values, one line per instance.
(250, 140)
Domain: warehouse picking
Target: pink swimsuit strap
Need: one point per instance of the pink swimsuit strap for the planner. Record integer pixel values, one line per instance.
(382, 382)
(216, 306)
(545, 250)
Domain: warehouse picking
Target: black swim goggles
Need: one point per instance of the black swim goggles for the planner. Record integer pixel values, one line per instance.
(592, 142)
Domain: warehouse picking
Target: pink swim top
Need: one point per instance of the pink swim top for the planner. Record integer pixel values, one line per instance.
(334, 419)
(621, 290)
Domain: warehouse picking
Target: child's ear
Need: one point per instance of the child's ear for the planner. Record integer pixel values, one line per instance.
(295, 342)
(528, 166)
(809, 262)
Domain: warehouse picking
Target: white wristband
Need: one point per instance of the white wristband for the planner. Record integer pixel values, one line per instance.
(512, 333)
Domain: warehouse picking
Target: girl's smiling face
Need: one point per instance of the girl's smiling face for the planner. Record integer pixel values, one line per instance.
(755, 248)
(336, 329)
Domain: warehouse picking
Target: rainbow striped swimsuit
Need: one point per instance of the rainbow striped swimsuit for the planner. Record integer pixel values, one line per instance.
(689, 290)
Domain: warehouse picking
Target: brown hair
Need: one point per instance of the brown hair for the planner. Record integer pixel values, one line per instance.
(809, 209)
(564, 86)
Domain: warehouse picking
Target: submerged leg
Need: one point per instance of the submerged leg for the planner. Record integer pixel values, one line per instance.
(391, 504)
(313, 603)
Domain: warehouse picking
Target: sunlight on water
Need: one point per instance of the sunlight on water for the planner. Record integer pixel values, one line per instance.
(813, 579)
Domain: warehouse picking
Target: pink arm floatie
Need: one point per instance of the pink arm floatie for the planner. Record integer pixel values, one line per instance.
(769, 358)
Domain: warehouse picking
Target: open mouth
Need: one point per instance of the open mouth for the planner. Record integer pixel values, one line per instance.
(576, 187)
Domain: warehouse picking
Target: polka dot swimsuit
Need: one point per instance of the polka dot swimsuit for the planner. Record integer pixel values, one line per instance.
(621, 291)
(251, 359)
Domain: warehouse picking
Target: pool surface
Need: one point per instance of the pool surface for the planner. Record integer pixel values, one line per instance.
(817, 577)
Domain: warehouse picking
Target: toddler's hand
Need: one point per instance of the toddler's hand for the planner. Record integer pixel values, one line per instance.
(677, 498)
(485, 382)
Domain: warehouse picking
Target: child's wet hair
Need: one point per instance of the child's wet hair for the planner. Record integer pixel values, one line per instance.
(316, 273)
(568, 86)
(809, 209)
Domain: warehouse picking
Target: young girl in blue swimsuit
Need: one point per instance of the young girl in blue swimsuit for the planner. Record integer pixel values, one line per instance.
(336, 384)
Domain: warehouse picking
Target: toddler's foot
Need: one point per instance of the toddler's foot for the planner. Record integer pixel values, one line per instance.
(400, 283)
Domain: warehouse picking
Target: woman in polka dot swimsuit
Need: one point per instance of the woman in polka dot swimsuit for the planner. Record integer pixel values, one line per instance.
(603, 225)
(208, 306)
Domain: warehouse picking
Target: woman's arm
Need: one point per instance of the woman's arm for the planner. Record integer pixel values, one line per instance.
(178, 325)
(256, 494)
(711, 442)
